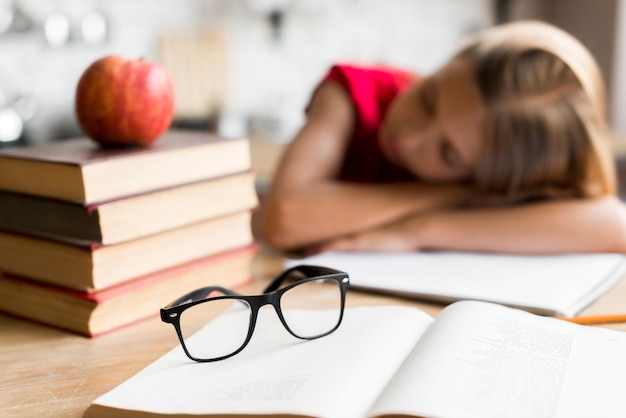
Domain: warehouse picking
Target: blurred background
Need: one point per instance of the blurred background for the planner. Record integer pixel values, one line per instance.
(247, 67)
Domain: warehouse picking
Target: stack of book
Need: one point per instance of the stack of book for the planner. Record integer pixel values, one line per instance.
(94, 239)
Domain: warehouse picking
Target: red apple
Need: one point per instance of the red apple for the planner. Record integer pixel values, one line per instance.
(122, 102)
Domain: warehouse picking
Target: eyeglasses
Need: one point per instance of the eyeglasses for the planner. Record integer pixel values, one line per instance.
(310, 308)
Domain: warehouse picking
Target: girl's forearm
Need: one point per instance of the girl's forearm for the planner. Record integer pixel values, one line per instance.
(328, 210)
(572, 226)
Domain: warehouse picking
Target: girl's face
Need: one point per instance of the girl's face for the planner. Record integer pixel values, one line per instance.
(435, 128)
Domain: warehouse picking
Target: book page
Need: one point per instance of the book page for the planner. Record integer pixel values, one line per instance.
(486, 361)
(546, 284)
(339, 375)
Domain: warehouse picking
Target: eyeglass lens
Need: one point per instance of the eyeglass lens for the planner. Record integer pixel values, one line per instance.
(305, 307)
(237, 315)
(310, 309)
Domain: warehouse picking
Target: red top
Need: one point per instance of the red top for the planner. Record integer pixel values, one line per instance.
(372, 89)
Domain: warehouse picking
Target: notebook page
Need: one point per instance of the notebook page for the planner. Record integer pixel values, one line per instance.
(483, 360)
(277, 373)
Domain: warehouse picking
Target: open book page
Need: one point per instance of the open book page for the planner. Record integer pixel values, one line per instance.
(547, 284)
(482, 360)
(339, 375)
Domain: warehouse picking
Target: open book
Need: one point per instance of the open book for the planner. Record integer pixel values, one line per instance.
(544, 284)
(477, 359)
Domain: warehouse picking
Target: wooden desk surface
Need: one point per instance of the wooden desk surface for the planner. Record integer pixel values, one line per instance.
(52, 373)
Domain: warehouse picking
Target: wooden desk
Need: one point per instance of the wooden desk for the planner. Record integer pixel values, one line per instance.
(51, 373)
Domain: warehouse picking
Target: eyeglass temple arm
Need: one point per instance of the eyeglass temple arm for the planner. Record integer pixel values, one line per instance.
(303, 271)
(200, 294)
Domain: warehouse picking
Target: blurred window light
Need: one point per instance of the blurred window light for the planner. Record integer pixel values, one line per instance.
(10, 125)
(57, 29)
(93, 28)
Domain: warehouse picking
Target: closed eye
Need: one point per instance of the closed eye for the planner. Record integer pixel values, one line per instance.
(449, 155)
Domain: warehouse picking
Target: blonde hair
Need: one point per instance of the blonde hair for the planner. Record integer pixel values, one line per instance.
(546, 123)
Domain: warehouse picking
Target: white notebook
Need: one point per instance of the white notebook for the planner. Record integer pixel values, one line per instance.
(547, 284)
(476, 360)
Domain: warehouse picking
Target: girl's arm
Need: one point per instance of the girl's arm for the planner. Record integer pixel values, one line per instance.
(306, 205)
(559, 226)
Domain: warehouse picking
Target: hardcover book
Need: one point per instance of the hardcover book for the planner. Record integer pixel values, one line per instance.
(98, 312)
(84, 268)
(120, 220)
(80, 170)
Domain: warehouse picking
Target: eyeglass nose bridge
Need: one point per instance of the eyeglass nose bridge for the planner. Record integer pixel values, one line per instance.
(265, 299)
(273, 299)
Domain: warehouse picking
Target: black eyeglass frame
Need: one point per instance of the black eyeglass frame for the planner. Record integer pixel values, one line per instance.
(271, 296)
